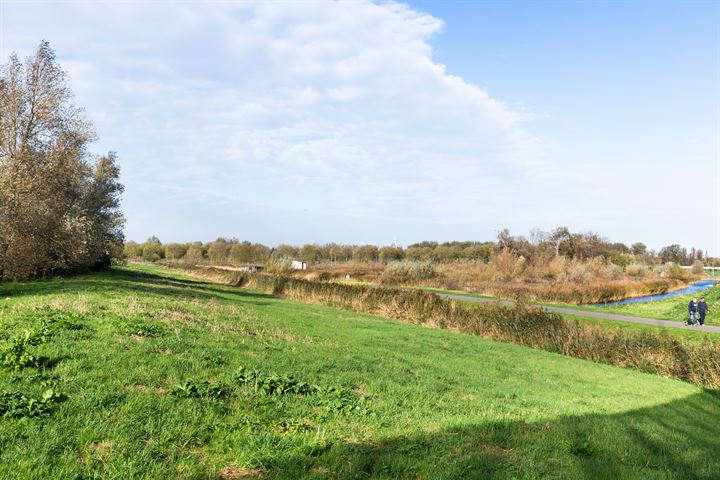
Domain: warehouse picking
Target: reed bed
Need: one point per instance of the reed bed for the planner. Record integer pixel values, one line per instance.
(581, 294)
(522, 324)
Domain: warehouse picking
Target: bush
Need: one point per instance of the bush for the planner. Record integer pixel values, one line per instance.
(698, 268)
(635, 270)
(676, 272)
(398, 273)
(152, 252)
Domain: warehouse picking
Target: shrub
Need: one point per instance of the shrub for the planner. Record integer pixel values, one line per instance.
(676, 272)
(152, 252)
(635, 270)
(398, 273)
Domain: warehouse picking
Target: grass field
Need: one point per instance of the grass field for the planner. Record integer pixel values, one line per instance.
(132, 348)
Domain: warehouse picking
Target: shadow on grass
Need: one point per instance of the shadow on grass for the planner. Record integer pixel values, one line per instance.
(120, 279)
(48, 363)
(674, 440)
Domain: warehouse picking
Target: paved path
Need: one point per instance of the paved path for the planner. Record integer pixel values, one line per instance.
(586, 313)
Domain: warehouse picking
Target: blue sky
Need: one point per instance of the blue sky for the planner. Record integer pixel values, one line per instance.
(360, 122)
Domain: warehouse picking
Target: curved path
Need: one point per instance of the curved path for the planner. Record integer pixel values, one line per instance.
(586, 313)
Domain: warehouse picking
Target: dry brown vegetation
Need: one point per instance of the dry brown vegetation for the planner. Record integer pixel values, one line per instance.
(508, 275)
(555, 266)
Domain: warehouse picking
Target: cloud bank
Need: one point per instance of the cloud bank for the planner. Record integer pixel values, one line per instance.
(299, 122)
(335, 108)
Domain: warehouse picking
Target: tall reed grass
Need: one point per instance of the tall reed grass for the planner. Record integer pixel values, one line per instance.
(522, 324)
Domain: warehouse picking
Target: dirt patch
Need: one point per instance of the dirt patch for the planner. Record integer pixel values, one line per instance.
(231, 472)
(360, 390)
(137, 338)
(102, 448)
(495, 451)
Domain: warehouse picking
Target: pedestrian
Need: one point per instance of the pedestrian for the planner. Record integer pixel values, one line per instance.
(702, 309)
(692, 310)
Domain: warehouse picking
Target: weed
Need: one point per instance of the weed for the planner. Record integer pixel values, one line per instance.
(141, 328)
(16, 355)
(295, 426)
(272, 384)
(332, 399)
(194, 389)
(344, 401)
(582, 448)
(57, 319)
(18, 405)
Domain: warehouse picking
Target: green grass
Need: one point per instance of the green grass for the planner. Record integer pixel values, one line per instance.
(671, 308)
(691, 334)
(431, 404)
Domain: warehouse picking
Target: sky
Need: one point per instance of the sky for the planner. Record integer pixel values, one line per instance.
(384, 122)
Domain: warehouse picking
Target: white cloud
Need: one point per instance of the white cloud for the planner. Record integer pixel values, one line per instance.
(333, 106)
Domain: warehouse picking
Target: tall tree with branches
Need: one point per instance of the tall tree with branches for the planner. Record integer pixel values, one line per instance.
(59, 206)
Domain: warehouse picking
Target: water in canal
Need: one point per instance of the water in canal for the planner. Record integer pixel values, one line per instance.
(693, 288)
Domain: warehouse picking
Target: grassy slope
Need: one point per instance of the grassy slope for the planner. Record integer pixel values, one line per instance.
(443, 405)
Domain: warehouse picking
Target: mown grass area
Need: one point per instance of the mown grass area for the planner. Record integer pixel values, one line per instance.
(693, 334)
(670, 309)
(356, 396)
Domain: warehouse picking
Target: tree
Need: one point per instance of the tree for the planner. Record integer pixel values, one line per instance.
(286, 251)
(673, 253)
(310, 253)
(132, 250)
(241, 253)
(101, 205)
(59, 206)
(175, 251)
(195, 252)
(219, 250)
(153, 250)
(366, 253)
(638, 248)
(389, 254)
(558, 236)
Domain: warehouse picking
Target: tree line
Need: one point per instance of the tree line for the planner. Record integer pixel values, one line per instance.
(558, 242)
(59, 204)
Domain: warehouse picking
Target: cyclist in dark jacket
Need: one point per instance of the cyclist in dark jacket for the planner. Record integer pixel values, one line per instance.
(702, 309)
(692, 310)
